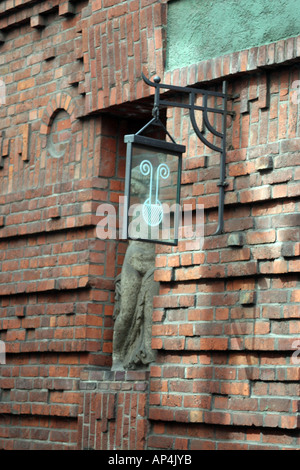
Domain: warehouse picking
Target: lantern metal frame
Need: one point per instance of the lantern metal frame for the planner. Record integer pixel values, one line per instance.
(192, 107)
(149, 143)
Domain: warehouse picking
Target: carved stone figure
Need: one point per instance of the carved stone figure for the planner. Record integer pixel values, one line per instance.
(135, 289)
(134, 292)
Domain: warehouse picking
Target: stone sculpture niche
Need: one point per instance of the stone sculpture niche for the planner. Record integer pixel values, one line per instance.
(134, 291)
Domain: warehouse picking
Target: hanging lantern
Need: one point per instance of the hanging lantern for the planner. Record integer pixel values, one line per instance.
(152, 189)
(153, 168)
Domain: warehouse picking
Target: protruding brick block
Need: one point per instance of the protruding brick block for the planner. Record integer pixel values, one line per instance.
(54, 212)
(37, 22)
(264, 163)
(290, 250)
(66, 9)
(50, 53)
(236, 240)
(20, 311)
(76, 78)
(247, 298)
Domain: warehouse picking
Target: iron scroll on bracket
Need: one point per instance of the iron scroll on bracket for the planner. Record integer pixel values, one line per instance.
(193, 92)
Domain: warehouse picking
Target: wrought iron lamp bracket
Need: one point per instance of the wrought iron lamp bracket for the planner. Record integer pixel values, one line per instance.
(192, 107)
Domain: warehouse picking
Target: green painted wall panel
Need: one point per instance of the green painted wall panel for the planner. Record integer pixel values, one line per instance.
(202, 29)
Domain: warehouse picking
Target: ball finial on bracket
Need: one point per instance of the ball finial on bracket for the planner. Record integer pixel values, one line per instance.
(157, 79)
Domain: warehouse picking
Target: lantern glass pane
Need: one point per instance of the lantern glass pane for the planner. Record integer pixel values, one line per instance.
(154, 195)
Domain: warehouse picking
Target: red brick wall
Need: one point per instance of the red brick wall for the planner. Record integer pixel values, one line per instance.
(226, 319)
(57, 277)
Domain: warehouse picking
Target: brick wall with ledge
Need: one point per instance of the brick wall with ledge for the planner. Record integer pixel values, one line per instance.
(226, 322)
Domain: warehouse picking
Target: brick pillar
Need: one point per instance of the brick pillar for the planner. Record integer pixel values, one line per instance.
(114, 413)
